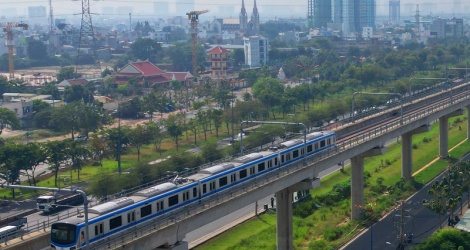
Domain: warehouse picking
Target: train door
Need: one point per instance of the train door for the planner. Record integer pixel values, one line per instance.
(81, 240)
(130, 217)
(99, 229)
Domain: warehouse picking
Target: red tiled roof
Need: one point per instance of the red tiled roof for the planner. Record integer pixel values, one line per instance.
(218, 50)
(147, 68)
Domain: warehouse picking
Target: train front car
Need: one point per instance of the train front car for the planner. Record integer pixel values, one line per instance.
(64, 234)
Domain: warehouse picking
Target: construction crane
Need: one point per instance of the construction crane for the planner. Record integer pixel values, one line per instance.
(8, 28)
(193, 17)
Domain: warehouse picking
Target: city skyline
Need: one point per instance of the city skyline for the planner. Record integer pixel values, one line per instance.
(269, 9)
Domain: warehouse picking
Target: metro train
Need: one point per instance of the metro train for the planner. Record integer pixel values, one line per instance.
(125, 213)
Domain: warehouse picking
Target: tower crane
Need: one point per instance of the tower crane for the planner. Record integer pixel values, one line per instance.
(193, 17)
(8, 28)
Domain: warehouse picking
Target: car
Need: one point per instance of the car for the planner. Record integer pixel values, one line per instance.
(81, 138)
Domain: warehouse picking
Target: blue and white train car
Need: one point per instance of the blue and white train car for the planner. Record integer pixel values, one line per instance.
(123, 214)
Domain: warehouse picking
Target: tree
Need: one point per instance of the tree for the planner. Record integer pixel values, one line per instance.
(156, 133)
(39, 106)
(217, 117)
(99, 147)
(77, 93)
(35, 155)
(12, 162)
(173, 129)
(56, 152)
(140, 136)
(67, 73)
(104, 184)
(50, 88)
(8, 118)
(203, 119)
(210, 153)
(146, 48)
(193, 125)
(117, 138)
(37, 50)
(269, 91)
(78, 154)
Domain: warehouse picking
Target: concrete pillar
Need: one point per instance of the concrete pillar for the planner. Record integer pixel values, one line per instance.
(406, 155)
(357, 186)
(284, 220)
(443, 137)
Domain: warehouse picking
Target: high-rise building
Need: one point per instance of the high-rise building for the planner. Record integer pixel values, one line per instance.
(321, 13)
(161, 9)
(37, 12)
(337, 11)
(367, 10)
(394, 10)
(256, 51)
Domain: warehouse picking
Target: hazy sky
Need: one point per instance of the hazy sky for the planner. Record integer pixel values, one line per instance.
(268, 8)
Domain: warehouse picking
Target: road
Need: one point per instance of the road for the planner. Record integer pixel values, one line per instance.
(418, 220)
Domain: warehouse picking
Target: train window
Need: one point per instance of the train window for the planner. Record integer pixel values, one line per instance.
(96, 230)
(194, 192)
(275, 161)
(223, 181)
(173, 200)
(309, 148)
(101, 228)
(115, 222)
(243, 174)
(204, 189)
(261, 167)
(144, 211)
(282, 158)
(270, 163)
(212, 186)
(185, 196)
(295, 154)
(322, 143)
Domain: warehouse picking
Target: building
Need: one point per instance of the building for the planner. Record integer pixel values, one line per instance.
(146, 72)
(249, 27)
(243, 18)
(256, 51)
(218, 59)
(444, 28)
(394, 11)
(322, 13)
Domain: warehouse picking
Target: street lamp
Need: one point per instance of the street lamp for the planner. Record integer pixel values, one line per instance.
(119, 138)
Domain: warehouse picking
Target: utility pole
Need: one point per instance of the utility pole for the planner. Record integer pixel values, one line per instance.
(401, 246)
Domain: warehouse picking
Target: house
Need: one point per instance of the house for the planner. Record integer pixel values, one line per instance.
(218, 59)
(146, 72)
(67, 83)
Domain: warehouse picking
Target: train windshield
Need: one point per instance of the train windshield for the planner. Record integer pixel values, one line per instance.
(43, 200)
(62, 233)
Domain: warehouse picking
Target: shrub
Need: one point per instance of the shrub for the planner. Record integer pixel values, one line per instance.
(332, 233)
(415, 146)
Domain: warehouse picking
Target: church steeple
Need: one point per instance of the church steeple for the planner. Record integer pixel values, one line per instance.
(255, 20)
(243, 18)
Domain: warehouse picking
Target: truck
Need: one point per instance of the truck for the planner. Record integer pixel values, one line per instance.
(53, 203)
